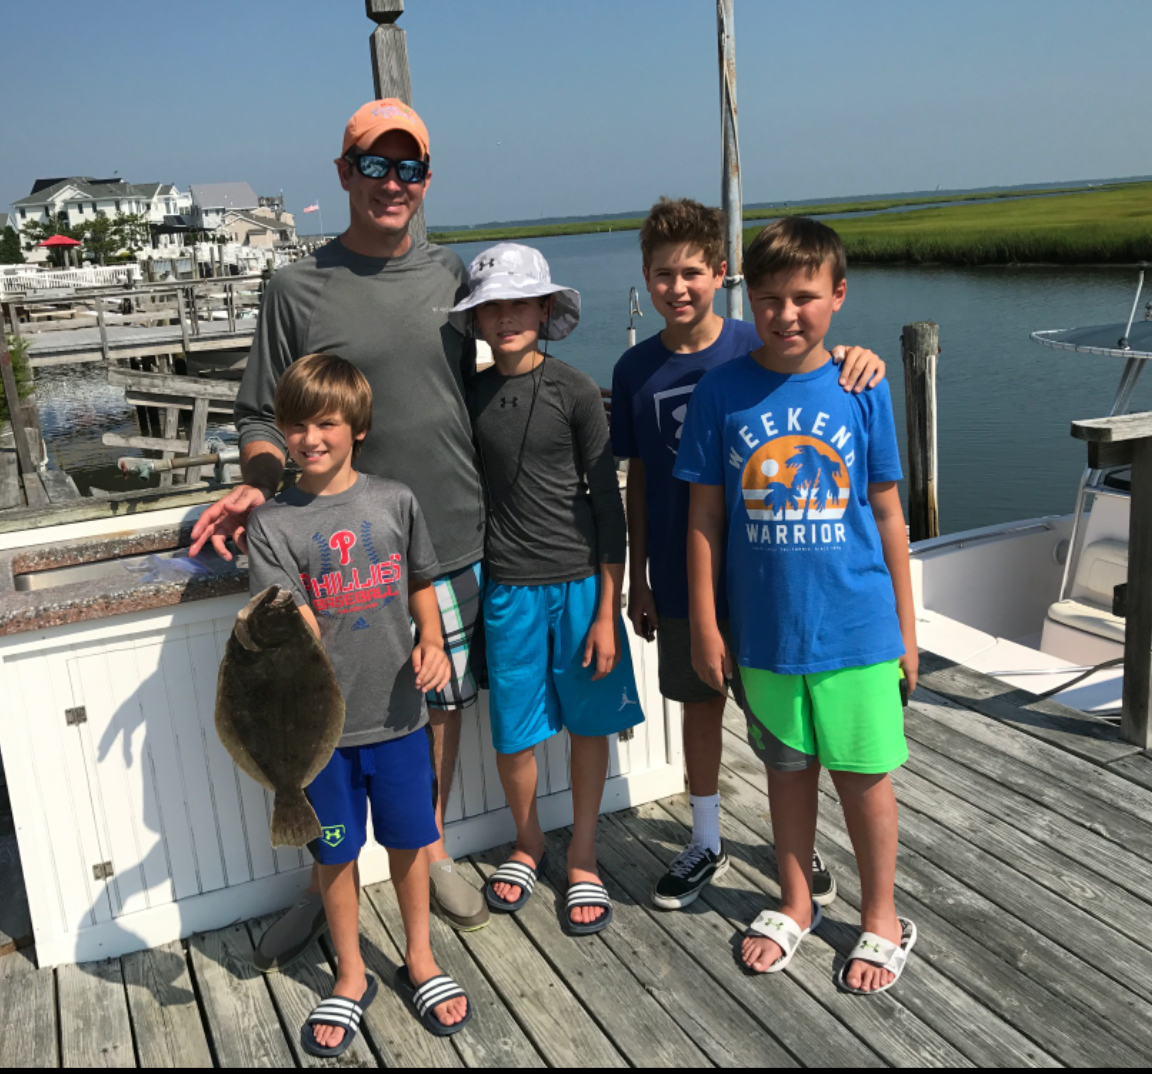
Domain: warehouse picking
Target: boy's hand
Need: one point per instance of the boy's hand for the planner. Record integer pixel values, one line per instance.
(642, 611)
(603, 647)
(711, 659)
(859, 368)
(431, 664)
(910, 664)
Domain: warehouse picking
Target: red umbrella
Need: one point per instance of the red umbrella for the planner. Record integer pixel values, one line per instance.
(59, 240)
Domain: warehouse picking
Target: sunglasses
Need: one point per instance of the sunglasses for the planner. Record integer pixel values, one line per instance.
(407, 171)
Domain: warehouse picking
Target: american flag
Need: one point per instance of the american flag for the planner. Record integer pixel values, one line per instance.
(314, 208)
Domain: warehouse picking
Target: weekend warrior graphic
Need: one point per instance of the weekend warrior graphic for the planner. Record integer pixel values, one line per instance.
(796, 481)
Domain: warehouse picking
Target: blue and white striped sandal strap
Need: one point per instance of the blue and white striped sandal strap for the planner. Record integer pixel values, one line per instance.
(516, 873)
(587, 894)
(434, 991)
(339, 1012)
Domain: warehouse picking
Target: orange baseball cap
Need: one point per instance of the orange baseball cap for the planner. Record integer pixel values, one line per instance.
(377, 118)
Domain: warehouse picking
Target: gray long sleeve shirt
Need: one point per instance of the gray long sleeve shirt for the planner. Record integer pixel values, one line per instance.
(555, 512)
(389, 317)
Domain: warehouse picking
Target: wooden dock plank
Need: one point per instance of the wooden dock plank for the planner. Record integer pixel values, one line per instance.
(1094, 740)
(493, 1038)
(1137, 768)
(95, 1030)
(165, 1016)
(555, 1021)
(639, 1027)
(984, 1038)
(932, 723)
(243, 1028)
(717, 1025)
(394, 1034)
(1041, 1014)
(889, 1029)
(793, 1017)
(28, 1027)
(296, 992)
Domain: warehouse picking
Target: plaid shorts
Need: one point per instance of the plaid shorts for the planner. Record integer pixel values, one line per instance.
(459, 594)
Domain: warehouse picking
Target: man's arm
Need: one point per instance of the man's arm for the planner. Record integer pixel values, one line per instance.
(707, 522)
(261, 466)
(641, 603)
(885, 500)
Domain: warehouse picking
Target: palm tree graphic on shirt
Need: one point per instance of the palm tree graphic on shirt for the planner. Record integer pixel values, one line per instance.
(816, 474)
(795, 478)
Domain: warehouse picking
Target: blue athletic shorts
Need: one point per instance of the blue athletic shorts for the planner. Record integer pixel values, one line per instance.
(395, 778)
(535, 637)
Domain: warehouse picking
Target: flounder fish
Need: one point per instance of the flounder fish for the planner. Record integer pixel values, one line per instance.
(279, 710)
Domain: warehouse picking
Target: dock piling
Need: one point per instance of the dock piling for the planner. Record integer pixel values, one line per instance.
(920, 349)
(1118, 441)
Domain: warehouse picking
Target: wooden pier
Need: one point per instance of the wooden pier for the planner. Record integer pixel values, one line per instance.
(1026, 863)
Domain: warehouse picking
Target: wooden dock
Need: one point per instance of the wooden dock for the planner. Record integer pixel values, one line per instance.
(1026, 863)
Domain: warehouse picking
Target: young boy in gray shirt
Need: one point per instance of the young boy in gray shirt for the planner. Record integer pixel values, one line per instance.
(355, 553)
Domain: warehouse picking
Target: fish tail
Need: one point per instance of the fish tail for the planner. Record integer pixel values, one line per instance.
(294, 821)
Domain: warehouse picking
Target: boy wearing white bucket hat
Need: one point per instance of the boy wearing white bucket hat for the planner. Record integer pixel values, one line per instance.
(555, 545)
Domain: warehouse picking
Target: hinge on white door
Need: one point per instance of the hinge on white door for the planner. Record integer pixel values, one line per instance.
(76, 716)
(103, 871)
(628, 734)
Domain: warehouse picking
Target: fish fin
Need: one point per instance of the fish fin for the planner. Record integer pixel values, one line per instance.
(294, 821)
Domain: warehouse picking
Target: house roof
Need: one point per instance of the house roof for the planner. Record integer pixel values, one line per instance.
(224, 196)
(95, 189)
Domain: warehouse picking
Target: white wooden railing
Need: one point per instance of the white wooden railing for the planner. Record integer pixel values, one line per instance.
(95, 276)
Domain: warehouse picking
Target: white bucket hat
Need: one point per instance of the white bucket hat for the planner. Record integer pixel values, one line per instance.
(509, 270)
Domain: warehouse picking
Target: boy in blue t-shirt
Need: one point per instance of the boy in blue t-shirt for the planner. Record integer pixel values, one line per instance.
(802, 476)
(682, 243)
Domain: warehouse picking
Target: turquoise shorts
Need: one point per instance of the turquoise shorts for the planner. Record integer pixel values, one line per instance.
(535, 636)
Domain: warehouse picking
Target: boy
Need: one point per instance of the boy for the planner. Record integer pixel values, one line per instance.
(682, 243)
(803, 476)
(554, 553)
(354, 551)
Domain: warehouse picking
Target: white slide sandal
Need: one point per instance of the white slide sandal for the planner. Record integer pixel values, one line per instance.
(783, 931)
(880, 952)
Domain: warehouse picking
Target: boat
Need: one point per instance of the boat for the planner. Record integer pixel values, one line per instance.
(1036, 603)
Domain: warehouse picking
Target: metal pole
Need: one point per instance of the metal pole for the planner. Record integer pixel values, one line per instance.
(731, 194)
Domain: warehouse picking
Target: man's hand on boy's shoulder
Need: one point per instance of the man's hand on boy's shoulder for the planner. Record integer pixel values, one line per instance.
(860, 368)
(602, 649)
(431, 664)
(228, 518)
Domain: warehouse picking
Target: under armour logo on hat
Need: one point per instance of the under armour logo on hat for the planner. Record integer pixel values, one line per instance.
(481, 264)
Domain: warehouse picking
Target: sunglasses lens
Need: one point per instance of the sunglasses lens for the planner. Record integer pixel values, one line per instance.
(373, 167)
(411, 171)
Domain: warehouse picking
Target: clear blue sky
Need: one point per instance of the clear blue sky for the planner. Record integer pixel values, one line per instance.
(541, 108)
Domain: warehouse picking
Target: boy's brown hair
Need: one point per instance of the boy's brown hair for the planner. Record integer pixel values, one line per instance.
(684, 221)
(320, 385)
(794, 242)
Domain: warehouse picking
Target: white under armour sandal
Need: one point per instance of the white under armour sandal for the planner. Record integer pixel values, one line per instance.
(784, 932)
(880, 952)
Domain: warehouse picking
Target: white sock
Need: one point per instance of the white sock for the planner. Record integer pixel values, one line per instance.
(706, 821)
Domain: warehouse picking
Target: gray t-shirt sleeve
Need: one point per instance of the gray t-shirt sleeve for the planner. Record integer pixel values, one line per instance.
(270, 562)
(423, 566)
(590, 426)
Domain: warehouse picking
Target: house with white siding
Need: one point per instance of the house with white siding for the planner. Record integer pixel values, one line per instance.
(212, 201)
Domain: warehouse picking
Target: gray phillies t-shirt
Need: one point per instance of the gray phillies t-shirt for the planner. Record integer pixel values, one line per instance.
(389, 318)
(554, 500)
(350, 558)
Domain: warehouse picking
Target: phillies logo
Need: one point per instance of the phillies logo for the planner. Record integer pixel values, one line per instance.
(343, 543)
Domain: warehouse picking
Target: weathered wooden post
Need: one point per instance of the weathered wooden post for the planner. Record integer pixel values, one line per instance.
(731, 190)
(920, 348)
(12, 394)
(390, 71)
(1126, 440)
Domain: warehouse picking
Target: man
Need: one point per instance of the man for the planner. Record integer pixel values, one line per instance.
(379, 299)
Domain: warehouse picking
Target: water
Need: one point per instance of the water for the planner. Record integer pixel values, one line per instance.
(1005, 403)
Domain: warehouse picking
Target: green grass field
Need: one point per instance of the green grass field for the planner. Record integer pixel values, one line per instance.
(1104, 226)
(591, 227)
(1101, 225)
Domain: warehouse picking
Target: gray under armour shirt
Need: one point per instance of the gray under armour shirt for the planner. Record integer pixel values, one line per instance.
(389, 317)
(555, 512)
(350, 558)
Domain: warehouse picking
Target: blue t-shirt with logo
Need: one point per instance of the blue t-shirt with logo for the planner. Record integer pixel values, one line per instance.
(651, 388)
(808, 589)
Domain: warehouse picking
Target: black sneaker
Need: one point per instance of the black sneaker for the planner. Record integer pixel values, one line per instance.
(823, 883)
(687, 875)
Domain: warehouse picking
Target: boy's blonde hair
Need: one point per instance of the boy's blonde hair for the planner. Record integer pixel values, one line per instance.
(320, 385)
(684, 221)
(791, 243)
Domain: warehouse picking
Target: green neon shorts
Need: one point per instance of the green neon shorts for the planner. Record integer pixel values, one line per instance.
(850, 720)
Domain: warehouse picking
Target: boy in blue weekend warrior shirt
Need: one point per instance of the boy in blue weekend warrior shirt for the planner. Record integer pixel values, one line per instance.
(797, 481)
(682, 243)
